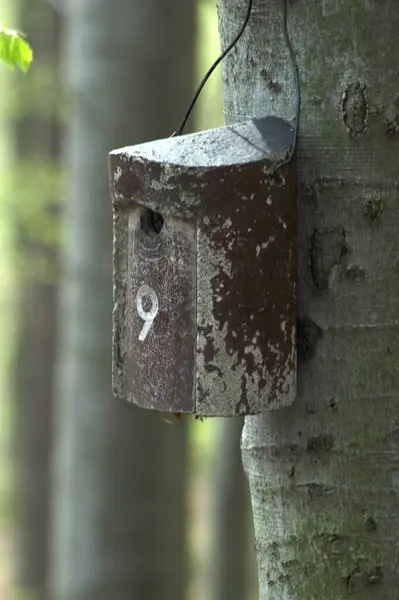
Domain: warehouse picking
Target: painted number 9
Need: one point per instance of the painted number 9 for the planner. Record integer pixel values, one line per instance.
(148, 315)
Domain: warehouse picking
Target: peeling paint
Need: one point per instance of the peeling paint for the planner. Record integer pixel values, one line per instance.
(117, 174)
(240, 275)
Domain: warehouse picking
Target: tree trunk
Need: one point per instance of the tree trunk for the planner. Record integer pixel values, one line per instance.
(37, 147)
(228, 567)
(119, 526)
(324, 473)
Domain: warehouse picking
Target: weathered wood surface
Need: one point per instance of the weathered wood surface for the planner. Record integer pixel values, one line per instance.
(205, 301)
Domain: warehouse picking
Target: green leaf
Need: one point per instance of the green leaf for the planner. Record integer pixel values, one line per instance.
(14, 50)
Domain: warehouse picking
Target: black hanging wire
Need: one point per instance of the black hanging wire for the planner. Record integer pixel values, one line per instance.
(213, 67)
(224, 54)
(297, 88)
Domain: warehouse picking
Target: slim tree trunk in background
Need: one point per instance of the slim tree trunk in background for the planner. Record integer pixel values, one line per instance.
(228, 563)
(119, 526)
(37, 143)
(324, 474)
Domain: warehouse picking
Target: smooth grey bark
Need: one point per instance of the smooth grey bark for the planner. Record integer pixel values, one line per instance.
(324, 473)
(228, 562)
(37, 138)
(119, 523)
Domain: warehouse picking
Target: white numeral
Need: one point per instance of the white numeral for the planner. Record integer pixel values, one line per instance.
(148, 316)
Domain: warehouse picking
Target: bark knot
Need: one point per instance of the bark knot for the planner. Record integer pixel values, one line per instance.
(355, 108)
(373, 208)
(320, 444)
(328, 251)
(309, 334)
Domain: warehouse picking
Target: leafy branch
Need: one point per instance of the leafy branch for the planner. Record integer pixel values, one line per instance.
(14, 49)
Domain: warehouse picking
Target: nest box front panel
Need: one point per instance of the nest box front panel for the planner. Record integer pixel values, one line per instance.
(161, 312)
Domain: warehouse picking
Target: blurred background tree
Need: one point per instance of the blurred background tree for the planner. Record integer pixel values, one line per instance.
(122, 476)
(120, 473)
(36, 180)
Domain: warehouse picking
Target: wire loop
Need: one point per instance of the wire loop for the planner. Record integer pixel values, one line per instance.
(225, 53)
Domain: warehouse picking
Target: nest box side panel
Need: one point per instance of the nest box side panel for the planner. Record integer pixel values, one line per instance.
(161, 314)
(246, 295)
